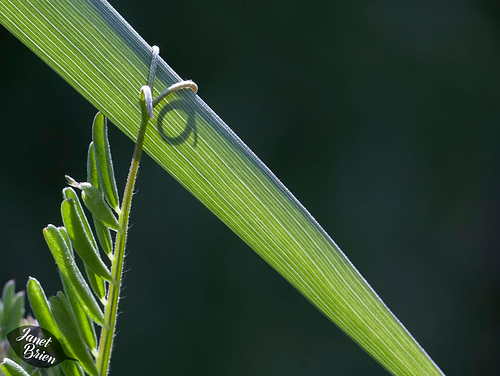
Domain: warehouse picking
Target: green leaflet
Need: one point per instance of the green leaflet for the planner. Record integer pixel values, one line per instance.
(71, 369)
(96, 282)
(104, 163)
(95, 202)
(104, 236)
(16, 312)
(41, 310)
(40, 306)
(8, 293)
(11, 314)
(65, 320)
(80, 239)
(102, 231)
(83, 324)
(70, 271)
(64, 234)
(70, 194)
(92, 173)
(11, 368)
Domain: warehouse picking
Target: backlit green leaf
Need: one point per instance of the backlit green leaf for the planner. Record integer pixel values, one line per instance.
(97, 284)
(102, 231)
(67, 326)
(104, 162)
(104, 236)
(11, 368)
(70, 194)
(103, 58)
(16, 312)
(84, 326)
(40, 306)
(92, 173)
(8, 293)
(71, 273)
(80, 239)
(95, 202)
(71, 369)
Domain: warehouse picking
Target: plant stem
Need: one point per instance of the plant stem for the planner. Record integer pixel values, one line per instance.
(108, 330)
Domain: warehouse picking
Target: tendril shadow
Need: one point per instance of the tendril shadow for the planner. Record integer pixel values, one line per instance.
(188, 129)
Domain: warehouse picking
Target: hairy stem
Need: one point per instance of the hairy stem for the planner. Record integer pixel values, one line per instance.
(108, 330)
(147, 104)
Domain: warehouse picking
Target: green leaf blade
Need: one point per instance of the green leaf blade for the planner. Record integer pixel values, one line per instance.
(70, 334)
(94, 201)
(8, 294)
(102, 231)
(11, 368)
(16, 312)
(97, 284)
(104, 162)
(71, 369)
(71, 273)
(70, 194)
(104, 59)
(104, 237)
(80, 239)
(40, 306)
(83, 324)
(92, 173)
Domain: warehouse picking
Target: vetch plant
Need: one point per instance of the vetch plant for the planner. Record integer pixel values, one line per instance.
(73, 314)
(92, 47)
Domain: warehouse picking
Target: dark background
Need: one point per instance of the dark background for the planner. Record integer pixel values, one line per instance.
(381, 117)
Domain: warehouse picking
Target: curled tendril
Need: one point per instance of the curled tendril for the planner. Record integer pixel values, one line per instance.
(152, 74)
(177, 86)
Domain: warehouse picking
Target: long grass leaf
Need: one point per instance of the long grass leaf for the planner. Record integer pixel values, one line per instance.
(93, 48)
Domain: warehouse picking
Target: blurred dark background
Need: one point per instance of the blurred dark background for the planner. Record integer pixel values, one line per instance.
(381, 117)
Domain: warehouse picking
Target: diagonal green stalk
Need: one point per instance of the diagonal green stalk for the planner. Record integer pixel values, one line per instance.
(108, 330)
